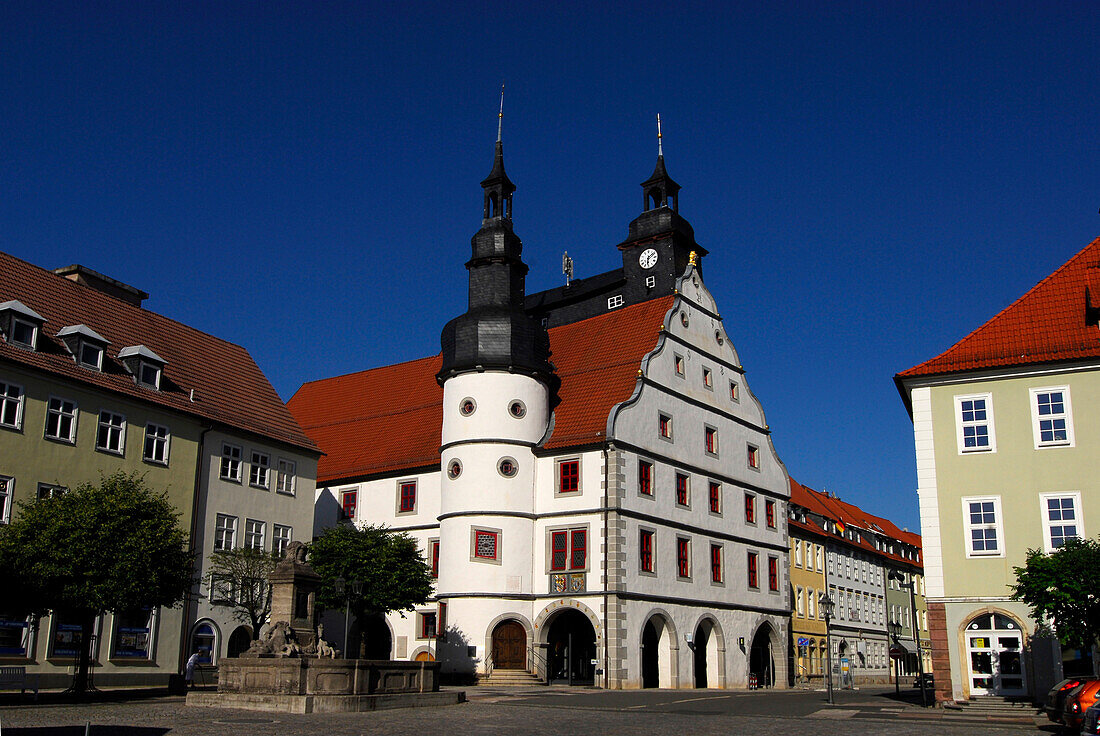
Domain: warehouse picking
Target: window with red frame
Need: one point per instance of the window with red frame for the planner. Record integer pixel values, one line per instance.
(568, 549)
(773, 573)
(715, 497)
(664, 425)
(683, 557)
(769, 514)
(427, 625)
(754, 457)
(645, 551)
(486, 544)
(408, 496)
(569, 476)
(753, 579)
(645, 477)
(750, 508)
(711, 440)
(347, 504)
(716, 563)
(681, 489)
(433, 552)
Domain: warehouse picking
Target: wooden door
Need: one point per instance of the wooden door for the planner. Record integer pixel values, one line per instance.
(510, 646)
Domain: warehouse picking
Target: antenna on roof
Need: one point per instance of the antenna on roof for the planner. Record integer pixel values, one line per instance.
(500, 115)
(660, 150)
(567, 267)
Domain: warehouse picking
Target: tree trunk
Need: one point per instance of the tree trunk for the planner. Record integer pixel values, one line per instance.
(81, 681)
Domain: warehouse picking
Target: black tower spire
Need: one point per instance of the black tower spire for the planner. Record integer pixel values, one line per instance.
(496, 333)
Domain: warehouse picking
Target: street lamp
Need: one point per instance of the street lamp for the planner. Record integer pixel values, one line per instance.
(825, 605)
(911, 585)
(341, 587)
(895, 633)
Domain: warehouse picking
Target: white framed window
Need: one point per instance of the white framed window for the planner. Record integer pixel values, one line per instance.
(281, 536)
(1052, 417)
(810, 603)
(90, 355)
(11, 405)
(615, 301)
(225, 532)
(974, 429)
(231, 463)
(157, 439)
(254, 533)
(259, 471)
(111, 433)
(1061, 518)
(50, 490)
(23, 333)
(982, 524)
(149, 375)
(798, 553)
(288, 477)
(799, 602)
(61, 420)
(7, 492)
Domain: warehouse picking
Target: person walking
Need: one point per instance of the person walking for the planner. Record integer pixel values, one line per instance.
(189, 669)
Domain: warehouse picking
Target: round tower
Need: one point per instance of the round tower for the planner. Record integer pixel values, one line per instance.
(498, 388)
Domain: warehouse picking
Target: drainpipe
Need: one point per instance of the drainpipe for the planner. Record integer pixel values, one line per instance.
(185, 644)
(606, 580)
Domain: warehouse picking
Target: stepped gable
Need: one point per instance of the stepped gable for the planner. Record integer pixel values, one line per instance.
(229, 387)
(1051, 322)
(389, 419)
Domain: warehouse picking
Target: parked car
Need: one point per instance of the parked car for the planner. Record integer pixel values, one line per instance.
(928, 682)
(1091, 723)
(1078, 701)
(1056, 696)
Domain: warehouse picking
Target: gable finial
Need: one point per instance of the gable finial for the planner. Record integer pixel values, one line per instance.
(500, 115)
(660, 151)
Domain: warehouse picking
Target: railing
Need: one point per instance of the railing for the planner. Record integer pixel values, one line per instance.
(539, 658)
(488, 662)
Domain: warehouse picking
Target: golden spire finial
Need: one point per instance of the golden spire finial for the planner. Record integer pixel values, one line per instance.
(500, 115)
(660, 150)
(693, 259)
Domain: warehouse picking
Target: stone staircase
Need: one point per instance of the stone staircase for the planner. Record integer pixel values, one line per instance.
(509, 678)
(996, 708)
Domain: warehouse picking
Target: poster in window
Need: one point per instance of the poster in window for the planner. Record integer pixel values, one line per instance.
(14, 635)
(66, 640)
(132, 635)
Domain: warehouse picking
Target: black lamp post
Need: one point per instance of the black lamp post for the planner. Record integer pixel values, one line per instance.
(916, 630)
(895, 633)
(341, 587)
(826, 606)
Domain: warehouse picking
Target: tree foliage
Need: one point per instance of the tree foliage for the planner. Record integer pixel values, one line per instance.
(1064, 588)
(394, 574)
(239, 581)
(116, 546)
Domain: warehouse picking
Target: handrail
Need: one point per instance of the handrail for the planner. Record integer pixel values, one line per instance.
(488, 662)
(540, 657)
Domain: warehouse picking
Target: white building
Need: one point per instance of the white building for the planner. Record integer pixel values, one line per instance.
(586, 468)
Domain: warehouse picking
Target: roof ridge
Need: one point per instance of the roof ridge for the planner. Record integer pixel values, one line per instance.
(1072, 261)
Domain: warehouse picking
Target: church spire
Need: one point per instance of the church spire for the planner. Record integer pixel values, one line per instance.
(659, 190)
(497, 186)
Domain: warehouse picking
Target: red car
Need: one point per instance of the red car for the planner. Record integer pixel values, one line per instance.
(1077, 702)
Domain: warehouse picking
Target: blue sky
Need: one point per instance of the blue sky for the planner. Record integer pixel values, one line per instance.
(873, 180)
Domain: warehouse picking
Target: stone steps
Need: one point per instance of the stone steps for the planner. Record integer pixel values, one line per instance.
(994, 705)
(510, 678)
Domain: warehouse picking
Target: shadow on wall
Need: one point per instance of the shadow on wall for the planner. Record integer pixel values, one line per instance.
(326, 512)
(457, 657)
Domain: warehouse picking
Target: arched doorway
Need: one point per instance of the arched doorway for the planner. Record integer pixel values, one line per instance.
(239, 641)
(571, 647)
(761, 659)
(658, 638)
(424, 657)
(373, 637)
(510, 646)
(204, 640)
(994, 645)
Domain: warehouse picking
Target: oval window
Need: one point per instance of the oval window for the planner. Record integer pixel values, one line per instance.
(467, 406)
(684, 319)
(507, 467)
(517, 409)
(718, 338)
(454, 469)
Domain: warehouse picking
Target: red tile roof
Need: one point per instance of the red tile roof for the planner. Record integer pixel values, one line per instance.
(229, 387)
(389, 419)
(1044, 325)
(848, 514)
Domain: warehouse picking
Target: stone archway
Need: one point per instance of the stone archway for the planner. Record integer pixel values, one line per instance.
(659, 651)
(206, 639)
(373, 636)
(544, 629)
(762, 657)
(708, 648)
(509, 648)
(239, 641)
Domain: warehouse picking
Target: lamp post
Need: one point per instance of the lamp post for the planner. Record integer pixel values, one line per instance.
(895, 633)
(911, 585)
(341, 587)
(826, 606)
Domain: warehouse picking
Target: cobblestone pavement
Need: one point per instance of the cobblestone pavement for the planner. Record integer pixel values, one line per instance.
(534, 711)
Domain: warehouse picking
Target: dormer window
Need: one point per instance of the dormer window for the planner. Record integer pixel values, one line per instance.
(145, 365)
(20, 324)
(86, 345)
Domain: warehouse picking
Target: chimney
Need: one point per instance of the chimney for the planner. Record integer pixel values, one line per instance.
(105, 284)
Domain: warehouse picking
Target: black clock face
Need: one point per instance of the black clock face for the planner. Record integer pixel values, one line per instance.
(648, 258)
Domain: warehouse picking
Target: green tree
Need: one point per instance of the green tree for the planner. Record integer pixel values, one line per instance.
(394, 574)
(239, 581)
(1064, 588)
(115, 546)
